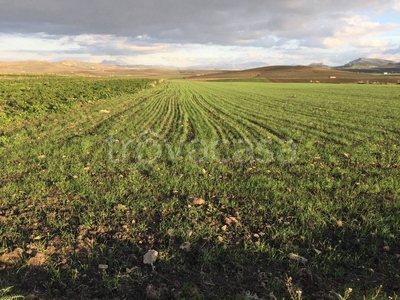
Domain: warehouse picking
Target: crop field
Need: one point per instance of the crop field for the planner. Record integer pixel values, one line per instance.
(202, 190)
(300, 74)
(23, 97)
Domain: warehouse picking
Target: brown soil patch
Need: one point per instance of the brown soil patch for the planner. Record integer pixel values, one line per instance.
(12, 257)
(38, 260)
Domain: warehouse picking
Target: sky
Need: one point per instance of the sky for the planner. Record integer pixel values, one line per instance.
(183, 33)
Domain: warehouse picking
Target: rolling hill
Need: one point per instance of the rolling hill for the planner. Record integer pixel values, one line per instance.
(73, 67)
(297, 74)
(362, 69)
(62, 67)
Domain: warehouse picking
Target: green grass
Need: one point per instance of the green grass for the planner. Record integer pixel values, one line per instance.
(5, 294)
(242, 80)
(283, 168)
(27, 96)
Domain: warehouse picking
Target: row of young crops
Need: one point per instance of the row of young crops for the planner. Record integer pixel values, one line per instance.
(294, 180)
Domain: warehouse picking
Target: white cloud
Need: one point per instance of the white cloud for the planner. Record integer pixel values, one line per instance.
(396, 6)
(372, 43)
(357, 31)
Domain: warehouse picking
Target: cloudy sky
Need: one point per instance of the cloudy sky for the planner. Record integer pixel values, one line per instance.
(209, 32)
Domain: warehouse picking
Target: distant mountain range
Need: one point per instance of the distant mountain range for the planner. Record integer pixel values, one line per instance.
(120, 63)
(320, 65)
(219, 66)
(362, 63)
(229, 66)
(371, 65)
(113, 62)
(109, 67)
(368, 63)
(303, 74)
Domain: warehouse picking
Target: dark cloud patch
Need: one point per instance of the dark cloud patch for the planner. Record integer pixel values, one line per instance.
(393, 51)
(224, 22)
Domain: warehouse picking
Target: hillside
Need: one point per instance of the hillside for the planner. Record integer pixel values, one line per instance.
(296, 74)
(62, 67)
(319, 65)
(85, 65)
(371, 66)
(316, 72)
(368, 63)
(73, 67)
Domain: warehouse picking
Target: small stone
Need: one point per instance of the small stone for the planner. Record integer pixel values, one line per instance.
(150, 257)
(185, 246)
(103, 267)
(223, 228)
(231, 220)
(198, 201)
(298, 258)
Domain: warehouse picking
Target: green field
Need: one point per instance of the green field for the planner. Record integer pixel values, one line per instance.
(27, 96)
(298, 180)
